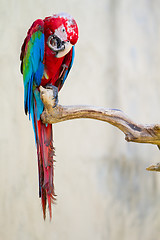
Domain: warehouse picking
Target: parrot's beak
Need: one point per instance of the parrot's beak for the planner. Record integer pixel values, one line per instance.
(55, 43)
(61, 48)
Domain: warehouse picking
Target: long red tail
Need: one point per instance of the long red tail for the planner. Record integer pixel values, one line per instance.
(45, 153)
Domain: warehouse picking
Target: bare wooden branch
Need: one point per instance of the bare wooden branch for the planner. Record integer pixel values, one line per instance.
(134, 132)
(153, 167)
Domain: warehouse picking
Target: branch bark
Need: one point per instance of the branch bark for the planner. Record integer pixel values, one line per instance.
(134, 132)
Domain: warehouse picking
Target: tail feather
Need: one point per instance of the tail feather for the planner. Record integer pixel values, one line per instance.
(45, 154)
(49, 205)
(44, 202)
(46, 171)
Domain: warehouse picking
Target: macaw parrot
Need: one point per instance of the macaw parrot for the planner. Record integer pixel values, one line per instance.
(47, 56)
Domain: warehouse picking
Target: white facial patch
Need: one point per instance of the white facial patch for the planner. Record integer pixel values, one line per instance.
(61, 33)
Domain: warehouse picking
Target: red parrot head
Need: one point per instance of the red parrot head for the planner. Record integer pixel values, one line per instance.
(61, 33)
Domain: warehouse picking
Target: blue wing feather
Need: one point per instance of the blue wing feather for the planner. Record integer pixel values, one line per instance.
(70, 66)
(32, 55)
(32, 62)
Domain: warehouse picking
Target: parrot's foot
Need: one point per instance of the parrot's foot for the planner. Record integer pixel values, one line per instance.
(55, 93)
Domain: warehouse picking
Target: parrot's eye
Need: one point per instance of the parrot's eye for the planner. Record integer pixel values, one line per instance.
(63, 29)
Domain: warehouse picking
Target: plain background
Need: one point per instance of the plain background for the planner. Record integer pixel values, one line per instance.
(104, 191)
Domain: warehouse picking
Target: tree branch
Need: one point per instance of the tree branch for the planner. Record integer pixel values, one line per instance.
(133, 132)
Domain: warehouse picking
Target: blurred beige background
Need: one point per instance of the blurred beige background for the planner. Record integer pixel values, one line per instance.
(104, 191)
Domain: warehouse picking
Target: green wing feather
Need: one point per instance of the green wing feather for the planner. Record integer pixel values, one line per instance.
(32, 67)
